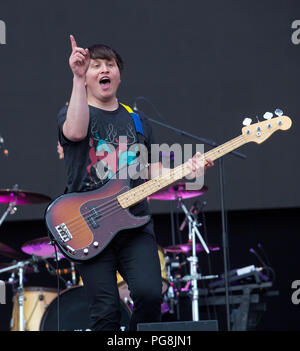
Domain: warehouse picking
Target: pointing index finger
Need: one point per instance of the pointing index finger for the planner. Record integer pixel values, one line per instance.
(73, 42)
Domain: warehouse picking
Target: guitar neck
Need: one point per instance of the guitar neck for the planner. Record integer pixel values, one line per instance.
(150, 187)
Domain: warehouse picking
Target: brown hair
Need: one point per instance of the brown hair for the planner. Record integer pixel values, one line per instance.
(104, 52)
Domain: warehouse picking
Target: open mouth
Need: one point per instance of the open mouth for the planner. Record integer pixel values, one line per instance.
(105, 82)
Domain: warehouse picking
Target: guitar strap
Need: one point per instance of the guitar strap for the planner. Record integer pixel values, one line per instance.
(139, 131)
(137, 122)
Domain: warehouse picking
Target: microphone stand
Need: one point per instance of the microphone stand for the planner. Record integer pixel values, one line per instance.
(20, 266)
(222, 193)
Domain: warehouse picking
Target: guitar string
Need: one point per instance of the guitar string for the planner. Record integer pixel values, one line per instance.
(115, 209)
(180, 169)
(103, 207)
(81, 223)
(82, 228)
(106, 206)
(79, 228)
(136, 189)
(218, 151)
(112, 200)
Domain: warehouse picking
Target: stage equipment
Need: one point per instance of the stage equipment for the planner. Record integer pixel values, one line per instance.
(15, 196)
(74, 312)
(40, 247)
(187, 247)
(210, 325)
(21, 268)
(177, 191)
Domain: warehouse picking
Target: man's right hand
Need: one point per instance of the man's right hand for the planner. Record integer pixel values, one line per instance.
(79, 60)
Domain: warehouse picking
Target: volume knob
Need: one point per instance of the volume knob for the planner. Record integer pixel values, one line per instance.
(86, 251)
(96, 244)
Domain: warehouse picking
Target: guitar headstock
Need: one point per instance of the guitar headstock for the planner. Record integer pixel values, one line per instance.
(261, 131)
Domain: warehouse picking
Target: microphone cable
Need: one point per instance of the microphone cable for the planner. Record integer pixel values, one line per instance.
(201, 210)
(265, 266)
(135, 108)
(58, 287)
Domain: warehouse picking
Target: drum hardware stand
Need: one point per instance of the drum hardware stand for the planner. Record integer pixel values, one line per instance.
(193, 259)
(171, 298)
(172, 295)
(20, 267)
(12, 279)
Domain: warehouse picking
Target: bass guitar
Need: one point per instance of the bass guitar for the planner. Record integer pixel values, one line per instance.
(83, 224)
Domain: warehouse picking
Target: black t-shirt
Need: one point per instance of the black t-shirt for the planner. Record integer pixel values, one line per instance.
(110, 144)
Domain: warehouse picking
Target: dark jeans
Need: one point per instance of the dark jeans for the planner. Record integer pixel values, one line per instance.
(134, 254)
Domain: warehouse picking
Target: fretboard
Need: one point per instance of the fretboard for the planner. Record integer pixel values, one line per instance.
(137, 194)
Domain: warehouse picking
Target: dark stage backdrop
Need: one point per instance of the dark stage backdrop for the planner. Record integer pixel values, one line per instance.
(205, 65)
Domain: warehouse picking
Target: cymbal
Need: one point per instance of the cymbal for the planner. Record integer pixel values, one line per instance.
(187, 247)
(177, 191)
(7, 251)
(40, 247)
(22, 197)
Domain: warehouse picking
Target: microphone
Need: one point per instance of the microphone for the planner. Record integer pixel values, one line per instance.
(264, 266)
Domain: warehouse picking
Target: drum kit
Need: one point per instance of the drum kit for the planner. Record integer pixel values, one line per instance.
(36, 308)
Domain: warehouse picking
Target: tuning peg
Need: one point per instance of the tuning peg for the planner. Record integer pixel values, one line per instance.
(247, 121)
(268, 115)
(278, 112)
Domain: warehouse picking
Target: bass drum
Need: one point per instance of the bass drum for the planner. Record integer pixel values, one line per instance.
(74, 312)
(36, 301)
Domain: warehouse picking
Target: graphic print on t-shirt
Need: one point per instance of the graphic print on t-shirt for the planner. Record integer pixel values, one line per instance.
(107, 155)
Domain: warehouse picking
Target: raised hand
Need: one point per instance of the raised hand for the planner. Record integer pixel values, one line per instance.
(79, 60)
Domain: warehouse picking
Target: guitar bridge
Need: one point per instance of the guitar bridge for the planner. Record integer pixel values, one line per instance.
(63, 232)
